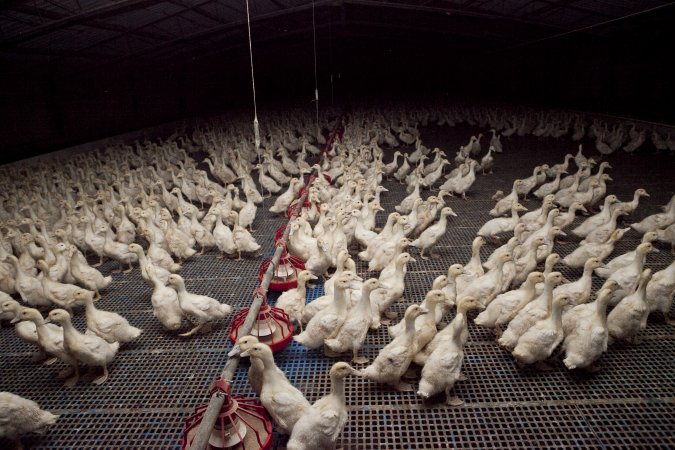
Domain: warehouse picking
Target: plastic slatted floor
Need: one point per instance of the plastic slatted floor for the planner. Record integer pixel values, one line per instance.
(156, 382)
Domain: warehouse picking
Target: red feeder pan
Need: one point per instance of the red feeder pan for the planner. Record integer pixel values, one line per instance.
(286, 272)
(273, 326)
(242, 424)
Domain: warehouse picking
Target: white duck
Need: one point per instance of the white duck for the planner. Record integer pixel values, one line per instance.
(353, 331)
(164, 301)
(442, 368)
(661, 290)
(623, 260)
(629, 317)
(488, 286)
(283, 401)
(629, 276)
(395, 358)
(474, 268)
(534, 311)
(202, 308)
(293, 300)
(578, 257)
(433, 234)
(19, 416)
(586, 334)
(494, 227)
(87, 349)
(579, 291)
(327, 322)
(255, 370)
(539, 341)
(321, 424)
(390, 291)
(505, 306)
(108, 325)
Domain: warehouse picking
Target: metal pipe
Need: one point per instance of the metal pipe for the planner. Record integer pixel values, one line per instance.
(217, 399)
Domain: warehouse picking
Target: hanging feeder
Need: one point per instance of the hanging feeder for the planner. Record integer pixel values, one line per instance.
(242, 424)
(272, 327)
(285, 273)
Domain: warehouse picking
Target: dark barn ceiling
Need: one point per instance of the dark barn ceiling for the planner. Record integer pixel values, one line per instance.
(77, 70)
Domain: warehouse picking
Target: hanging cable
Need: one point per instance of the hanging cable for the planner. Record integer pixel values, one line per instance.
(256, 129)
(316, 83)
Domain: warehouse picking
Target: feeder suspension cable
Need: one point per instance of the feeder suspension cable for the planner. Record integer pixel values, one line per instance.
(316, 82)
(256, 128)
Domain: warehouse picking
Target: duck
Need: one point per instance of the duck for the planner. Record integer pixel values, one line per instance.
(327, 322)
(321, 424)
(386, 254)
(450, 288)
(293, 300)
(282, 202)
(464, 183)
(487, 162)
(425, 326)
(432, 235)
(86, 275)
(165, 305)
(25, 330)
(50, 340)
(586, 333)
(629, 317)
(578, 257)
(598, 219)
(442, 368)
(473, 269)
(353, 331)
(539, 341)
(554, 169)
(585, 184)
(27, 286)
(661, 290)
(224, 238)
(537, 218)
(601, 234)
(505, 306)
(243, 240)
(488, 286)
(529, 183)
(144, 262)
(283, 401)
(504, 204)
(390, 291)
(628, 277)
(579, 291)
(631, 206)
(464, 305)
(566, 219)
(108, 325)
(525, 264)
(19, 416)
(656, 221)
(60, 294)
(393, 360)
(88, 349)
(551, 187)
(202, 308)
(391, 167)
(494, 227)
(255, 370)
(408, 203)
(667, 235)
(529, 314)
(624, 259)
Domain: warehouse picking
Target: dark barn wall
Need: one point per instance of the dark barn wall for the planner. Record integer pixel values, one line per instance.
(622, 73)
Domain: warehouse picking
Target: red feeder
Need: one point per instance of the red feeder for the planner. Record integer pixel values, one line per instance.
(285, 274)
(273, 326)
(242, 424)
(279, 234)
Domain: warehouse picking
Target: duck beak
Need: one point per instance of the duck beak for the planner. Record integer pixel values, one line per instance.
(424, 310)
(454, 214)
(46, 320)
(656, 250)
(236, 350)
(313, 277)
(15, 320)
(565, 280)
(413, 260)
(562, 233)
